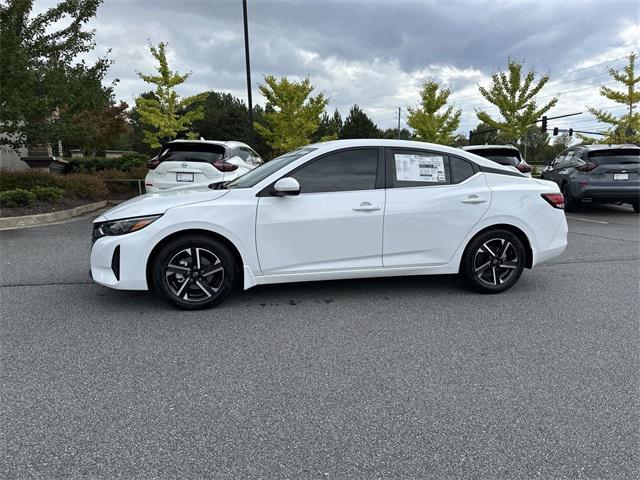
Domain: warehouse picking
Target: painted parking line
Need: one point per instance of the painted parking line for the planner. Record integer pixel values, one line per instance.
(587, 220)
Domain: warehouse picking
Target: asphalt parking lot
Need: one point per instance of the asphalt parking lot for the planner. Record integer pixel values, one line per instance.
(386, 378)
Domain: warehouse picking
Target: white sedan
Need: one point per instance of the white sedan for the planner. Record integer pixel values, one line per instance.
(334, 210)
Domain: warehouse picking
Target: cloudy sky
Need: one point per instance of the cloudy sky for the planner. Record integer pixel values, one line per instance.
(375, 53)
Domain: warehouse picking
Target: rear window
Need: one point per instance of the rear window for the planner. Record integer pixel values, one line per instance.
(191, 152)
(500, 155)
(616, 157)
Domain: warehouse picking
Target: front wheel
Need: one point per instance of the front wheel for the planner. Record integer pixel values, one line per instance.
(493, 261)
(194, 272)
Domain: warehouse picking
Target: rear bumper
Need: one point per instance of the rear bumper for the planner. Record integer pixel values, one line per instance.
(609, 194)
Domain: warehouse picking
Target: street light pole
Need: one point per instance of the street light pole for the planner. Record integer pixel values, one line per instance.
(246, 53)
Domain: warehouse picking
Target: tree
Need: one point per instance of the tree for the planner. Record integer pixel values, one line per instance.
(480, 136)
(166, 116)
(431, 126)
(39, 74)
(224, 118)
(101, 128)
(329, 127)
(514, 95)
(358, 125)
(392, 133)
(626, 128)
(291, 115)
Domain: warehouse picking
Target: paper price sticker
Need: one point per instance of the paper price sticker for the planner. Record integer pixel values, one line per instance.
(419, 168)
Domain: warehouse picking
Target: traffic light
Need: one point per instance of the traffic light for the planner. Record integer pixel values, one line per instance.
(555, 131)
(570, 131)
(543, 128)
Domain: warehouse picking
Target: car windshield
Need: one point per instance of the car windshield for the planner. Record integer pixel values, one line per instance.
(615, 157)
(255, 176)
(191, 152)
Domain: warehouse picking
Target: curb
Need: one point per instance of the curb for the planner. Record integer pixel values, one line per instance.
(8, 223)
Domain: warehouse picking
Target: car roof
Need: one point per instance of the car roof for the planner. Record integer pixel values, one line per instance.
(597, 146)
(384, 142)
(230, 143)
(489, 147)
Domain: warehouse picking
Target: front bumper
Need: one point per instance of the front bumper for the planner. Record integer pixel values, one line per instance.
(115, 263)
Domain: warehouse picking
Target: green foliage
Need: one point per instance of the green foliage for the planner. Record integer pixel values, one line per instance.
(224, 118)
(358, 125)
(495, 137)
(80, 186)
(405, 134)
(431, 123)
(166, 115)
(514, 95)
(17, 198)
(329, 127)
(626, 128)
(48, 194)
(126, 163)
(43, 86)
(291, 115)
(99, 129)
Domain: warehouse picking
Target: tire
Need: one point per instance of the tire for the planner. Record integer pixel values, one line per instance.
(570, 203)
(487, 269)
(636, 207)
(194, 272)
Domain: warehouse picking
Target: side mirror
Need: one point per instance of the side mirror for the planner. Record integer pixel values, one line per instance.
(286, 186)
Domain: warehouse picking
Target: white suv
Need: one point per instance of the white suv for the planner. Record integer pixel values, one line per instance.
(194, 163)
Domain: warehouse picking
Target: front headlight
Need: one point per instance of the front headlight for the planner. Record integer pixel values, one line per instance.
(120, 227)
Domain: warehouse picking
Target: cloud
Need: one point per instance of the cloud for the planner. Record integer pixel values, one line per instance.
(374, 53)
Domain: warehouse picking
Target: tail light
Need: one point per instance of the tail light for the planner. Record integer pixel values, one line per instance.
(524, 167)
(224, 166)
(556, 200)
(587, 167)
(153, 163)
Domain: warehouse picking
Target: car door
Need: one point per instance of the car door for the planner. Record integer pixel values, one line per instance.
(433, 202)
(335, 223)
(552, 172)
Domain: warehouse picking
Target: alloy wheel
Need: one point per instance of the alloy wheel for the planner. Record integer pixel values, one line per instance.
(496, 262)
(194, 274)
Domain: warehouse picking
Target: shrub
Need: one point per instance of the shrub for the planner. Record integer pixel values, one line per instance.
(27, 179)
(97, 164)
(83, 186)
(48, 194)
(17, 197)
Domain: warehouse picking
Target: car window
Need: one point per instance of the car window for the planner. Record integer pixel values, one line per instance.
(460, 169)
(191, 152)
(504, 156)
(342, 171)
(615, 157)
(255, 176)
(558, 161)
(414, 168)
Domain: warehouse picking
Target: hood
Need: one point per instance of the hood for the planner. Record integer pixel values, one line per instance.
(156, 203)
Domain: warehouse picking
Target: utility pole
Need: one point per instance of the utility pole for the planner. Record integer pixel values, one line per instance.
(246, 54)
(399, 108)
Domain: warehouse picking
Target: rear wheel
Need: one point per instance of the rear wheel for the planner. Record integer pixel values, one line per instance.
(194, 272)
(636, 207)
(493, 261)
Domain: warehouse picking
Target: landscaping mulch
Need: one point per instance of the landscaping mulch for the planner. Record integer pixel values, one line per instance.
(42, 207)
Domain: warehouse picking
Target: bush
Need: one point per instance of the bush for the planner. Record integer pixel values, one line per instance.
(83, 186)
(17, 197)
(48, 194)
(27, 179)
(126, 163)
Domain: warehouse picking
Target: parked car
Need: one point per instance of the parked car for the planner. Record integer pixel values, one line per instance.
(193, 163)
(507, 155)
(333, 210)
(597, 173)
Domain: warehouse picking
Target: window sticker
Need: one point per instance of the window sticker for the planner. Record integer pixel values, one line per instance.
(419, 168)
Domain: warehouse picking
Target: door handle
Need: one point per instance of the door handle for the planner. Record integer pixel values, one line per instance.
(474, 199)
(366, 207)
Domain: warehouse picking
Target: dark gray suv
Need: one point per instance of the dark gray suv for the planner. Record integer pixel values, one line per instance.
(597, 173)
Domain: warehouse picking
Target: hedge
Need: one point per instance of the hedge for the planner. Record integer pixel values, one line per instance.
(126, 163)
(17, 197)
(76, 185)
